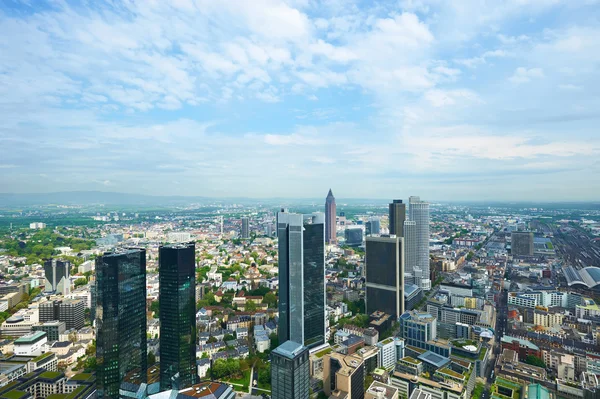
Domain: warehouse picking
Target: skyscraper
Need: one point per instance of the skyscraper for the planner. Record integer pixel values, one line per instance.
(330, 214)
(419, 213)
(372, 227)
(120, 319)
(410, 250)
(177, 309)
(397, 217)
(290, 376)
(384, 269)
(69, 311)
(57, 276)
(245, 228)
(301, 278)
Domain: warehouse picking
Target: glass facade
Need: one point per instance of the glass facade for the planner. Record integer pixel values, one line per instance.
(120, 319)
(314, 284)
(290, 375)
(384, 275)
(397, 217)
(301, 278)
(177, 309)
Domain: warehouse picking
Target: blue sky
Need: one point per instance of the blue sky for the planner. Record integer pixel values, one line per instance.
(449, 100)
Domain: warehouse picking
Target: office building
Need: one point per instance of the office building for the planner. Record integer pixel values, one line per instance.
(397, 217)
(353, 236)
(410, 250)
(56, 273)
(301, 278)
(417, 328)
(330, 218)
(245, 228)
(419, 213)
(290, 374)
(69, 311)
(343, 376)
(53, 329)
(373, 227)
(521, 243)
(384, 269)
(177, 293)
(121, 345)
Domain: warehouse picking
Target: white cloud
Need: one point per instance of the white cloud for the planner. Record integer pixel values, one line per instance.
(570, 87)
(524, 75)
(440, 98)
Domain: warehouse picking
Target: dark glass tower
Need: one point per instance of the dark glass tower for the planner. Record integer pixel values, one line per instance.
(384, 266)
(177, 293)
(397, 217)
(57, 276)
(290, 375)
(120, 319)
(301, 278)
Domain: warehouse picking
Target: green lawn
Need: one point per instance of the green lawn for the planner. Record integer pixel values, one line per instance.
(244, 380)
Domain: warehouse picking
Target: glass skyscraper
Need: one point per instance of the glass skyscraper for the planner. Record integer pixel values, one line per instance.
(290, 375)
(120, 319)
(57, 276)
(384, 268)
(419, 213)
(301, 278)
(397, 212)
(177, 309)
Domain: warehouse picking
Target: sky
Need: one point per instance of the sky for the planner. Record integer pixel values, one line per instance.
(449, 100)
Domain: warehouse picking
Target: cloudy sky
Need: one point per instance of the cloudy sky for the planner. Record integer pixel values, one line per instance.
(444, 99)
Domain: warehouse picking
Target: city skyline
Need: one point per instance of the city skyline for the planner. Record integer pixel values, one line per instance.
(502, 108)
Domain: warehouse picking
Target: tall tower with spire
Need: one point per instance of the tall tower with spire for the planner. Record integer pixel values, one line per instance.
(330, 215)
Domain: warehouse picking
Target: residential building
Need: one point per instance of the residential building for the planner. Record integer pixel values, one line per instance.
(330, 219)
(290, 377)
(56, 273)
(384, 269)
(522, 346)
(177, 291)
(120, 319)
(301, 278)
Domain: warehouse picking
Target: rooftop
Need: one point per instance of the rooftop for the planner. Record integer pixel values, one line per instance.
(289, 349)
(31, 338)
(522, 342)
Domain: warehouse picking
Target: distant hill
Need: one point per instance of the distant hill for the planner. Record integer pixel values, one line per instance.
(93, 197)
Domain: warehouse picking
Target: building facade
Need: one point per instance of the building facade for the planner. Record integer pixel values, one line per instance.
(419, 213)
(245, 233)
(301, 278)
(56, 273)
(384, 267)
(521, 243)
(121, 343)
(290, 375)
(177, 309)
(397, 212)
(330, 218)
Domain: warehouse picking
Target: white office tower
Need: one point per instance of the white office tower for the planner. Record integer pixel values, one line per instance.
(419, 213)
(410, 250)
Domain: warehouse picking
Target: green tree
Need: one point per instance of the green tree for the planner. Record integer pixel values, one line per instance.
(470, 255)
(535, 361)
(151, 359)
(228, 337)
(270, 299)
(80, 281)
(211, 339)
(250, 306)
(155, 307)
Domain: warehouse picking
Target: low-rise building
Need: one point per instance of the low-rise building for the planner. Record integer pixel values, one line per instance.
(31, 344)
